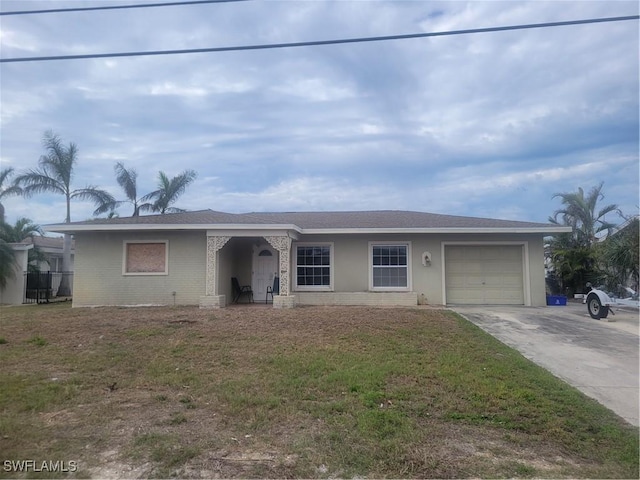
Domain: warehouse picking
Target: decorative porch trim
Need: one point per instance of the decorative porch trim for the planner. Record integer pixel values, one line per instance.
(214, 244)
(283, 245)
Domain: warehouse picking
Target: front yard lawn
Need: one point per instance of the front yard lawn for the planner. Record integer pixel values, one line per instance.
(309, 392)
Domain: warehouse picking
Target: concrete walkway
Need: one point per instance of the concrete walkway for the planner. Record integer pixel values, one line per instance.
(598, 357)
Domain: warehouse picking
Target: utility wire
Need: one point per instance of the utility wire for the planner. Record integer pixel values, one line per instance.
(319, 42)
(115, 7)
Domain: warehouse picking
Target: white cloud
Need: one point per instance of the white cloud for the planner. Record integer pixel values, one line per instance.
(169, 88)
(314, 89)
(21, 41)
(488, 124)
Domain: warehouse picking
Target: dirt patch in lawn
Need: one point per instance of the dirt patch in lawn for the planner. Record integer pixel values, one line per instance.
(320, 392)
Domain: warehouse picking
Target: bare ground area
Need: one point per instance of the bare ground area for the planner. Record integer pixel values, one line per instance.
(322, 392)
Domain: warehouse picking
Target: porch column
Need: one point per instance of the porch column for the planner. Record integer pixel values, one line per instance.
(283, 245)
(212, 299)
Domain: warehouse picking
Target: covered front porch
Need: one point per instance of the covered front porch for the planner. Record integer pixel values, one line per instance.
(252, 257)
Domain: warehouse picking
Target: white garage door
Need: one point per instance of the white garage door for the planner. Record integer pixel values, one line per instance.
(484, 274)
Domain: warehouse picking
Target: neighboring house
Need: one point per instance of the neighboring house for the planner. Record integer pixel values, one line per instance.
(18, 288)
(13, 293)
(51, 247)
(321, 258)
(625, 234)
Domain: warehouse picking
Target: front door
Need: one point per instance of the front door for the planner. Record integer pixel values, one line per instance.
(265, 268)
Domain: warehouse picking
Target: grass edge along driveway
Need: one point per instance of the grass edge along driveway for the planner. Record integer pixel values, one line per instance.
(313, 392)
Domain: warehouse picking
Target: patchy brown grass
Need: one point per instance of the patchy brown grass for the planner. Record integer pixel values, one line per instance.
(309, 392)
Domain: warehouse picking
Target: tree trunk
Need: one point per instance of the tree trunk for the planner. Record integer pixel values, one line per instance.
(64, 290)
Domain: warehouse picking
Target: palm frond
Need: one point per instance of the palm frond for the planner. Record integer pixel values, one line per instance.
(5, 173)
(163, 181)
(7, 263)
(99, 197)
(21, 230)
(145, 207)
(174, 210)
(108, 207)
(612, 208)
(59, 160)
(12, 190)
(127, 180)
(151, 196)
(38, 181)
(170, 190)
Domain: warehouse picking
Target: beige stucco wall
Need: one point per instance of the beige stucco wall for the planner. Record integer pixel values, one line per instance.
(13, 293)
(357, 298)
(351, 259)
(99, 279)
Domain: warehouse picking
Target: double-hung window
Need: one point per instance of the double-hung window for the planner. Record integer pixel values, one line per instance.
(389, 266)
(314, 266)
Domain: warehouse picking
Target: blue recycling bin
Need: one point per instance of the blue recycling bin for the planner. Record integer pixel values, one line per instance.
(556, 300)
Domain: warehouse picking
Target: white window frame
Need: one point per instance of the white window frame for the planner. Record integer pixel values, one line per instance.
(313, 288)
(125, 244)
(406, 244)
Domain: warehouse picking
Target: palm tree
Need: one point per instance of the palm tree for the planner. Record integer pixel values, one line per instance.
(24, 228)
(7, 262)
(168, 191)
(5, 174)
(573, 256)
(54, 175)
(573, 266)
(580, 213)
(619, 256)
(127, 179)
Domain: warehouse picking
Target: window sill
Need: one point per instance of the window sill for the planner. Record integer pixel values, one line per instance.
(144, 274)
(313, 289)
(390, 289)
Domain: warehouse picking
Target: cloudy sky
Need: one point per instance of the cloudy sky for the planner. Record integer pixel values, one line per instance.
(488, 125)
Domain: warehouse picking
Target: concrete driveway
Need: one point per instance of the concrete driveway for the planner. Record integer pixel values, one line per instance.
(598, 357)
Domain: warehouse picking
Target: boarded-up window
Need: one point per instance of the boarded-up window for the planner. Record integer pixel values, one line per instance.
(146, 258)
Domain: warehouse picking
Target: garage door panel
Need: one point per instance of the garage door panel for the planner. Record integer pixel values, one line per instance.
(493, 269)
(473, 280)
(502, 297)
(506, 280)
(493, 282)
(456, 255)
(469, 297)
(484, 274)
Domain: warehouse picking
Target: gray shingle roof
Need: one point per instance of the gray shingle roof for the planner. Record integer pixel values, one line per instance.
(386, 219)
(379, 219)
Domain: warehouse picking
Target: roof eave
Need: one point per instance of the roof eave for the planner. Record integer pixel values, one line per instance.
(119, 227)
(71, 228)
(21, 246)
(545, 230)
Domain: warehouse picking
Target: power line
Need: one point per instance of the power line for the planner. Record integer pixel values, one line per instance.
(318, 42)
(115, 7)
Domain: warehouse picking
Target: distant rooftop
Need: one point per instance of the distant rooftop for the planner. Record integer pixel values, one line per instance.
(47, 243)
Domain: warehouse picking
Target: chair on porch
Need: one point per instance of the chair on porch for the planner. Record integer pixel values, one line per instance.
(275, 290)
(238, 290)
